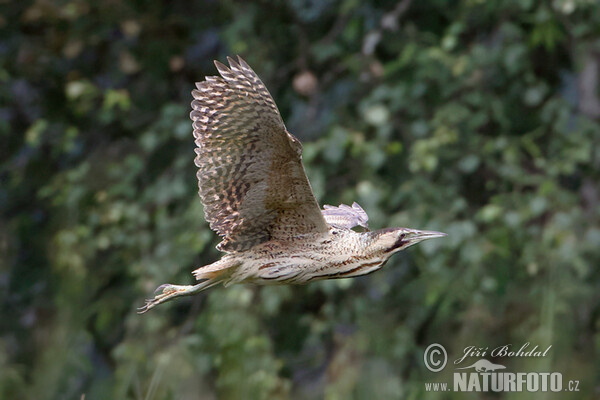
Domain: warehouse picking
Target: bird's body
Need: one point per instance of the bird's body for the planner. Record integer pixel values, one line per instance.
(340, 254)
(257, 197)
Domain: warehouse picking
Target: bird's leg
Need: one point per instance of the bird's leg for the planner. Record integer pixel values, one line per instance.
(169, 292)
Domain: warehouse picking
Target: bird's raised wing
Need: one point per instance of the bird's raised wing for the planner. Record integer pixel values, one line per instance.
(250, 174)
(345, 217)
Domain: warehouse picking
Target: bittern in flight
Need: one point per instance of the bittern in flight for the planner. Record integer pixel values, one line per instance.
(257, 197)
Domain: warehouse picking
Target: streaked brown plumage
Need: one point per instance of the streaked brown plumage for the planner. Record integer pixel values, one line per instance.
(257, 197)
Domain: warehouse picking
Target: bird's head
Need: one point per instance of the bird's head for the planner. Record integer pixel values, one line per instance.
(392, 240)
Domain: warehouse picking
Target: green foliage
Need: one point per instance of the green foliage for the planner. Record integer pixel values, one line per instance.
(475, 118)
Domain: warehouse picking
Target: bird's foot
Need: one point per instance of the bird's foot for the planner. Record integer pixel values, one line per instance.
(167, 292)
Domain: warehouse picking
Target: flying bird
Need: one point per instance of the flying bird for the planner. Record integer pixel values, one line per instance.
(257, 197)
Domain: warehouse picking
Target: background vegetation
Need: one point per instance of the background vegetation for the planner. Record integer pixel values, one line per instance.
(477, 118)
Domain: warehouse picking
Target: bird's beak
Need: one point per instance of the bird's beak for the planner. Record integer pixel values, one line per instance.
(422, 235)
(411, 237)
(415, 236)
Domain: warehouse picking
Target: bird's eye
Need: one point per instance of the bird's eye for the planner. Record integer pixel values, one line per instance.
(403, 236)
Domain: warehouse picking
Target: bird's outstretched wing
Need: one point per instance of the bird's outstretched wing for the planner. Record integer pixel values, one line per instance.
(345, 217)
(250, 174)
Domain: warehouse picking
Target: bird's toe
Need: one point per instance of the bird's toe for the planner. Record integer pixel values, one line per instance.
(161, 294)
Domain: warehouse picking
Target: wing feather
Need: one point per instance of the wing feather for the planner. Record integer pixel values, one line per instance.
(345, 217)
(250, 175)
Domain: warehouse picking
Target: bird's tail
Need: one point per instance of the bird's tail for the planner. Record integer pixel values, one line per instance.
(216, 272)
